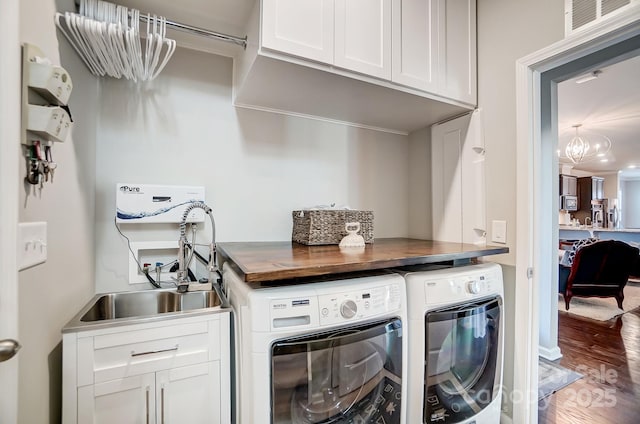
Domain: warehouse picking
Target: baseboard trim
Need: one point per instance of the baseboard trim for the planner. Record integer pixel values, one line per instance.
(550, 354)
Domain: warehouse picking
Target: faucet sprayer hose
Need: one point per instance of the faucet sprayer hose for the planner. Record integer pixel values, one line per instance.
(183, 228)
(185, 215)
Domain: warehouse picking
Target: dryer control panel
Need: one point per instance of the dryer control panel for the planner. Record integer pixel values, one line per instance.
(347, 306)
(454, 287)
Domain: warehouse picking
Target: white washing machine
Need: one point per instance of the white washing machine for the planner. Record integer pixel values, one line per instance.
(456, 334)
(331, 351)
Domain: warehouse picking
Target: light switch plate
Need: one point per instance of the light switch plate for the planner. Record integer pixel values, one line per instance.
(499, 232)
(32, 244)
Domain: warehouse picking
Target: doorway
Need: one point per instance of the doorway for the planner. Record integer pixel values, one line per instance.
(536, 274)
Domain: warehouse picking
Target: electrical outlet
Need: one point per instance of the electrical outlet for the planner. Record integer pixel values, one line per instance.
(499, 232)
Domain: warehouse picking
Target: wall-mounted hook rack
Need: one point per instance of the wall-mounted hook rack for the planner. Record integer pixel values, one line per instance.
(45, 116)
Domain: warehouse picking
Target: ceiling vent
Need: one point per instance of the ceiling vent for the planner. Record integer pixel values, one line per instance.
(582, 13)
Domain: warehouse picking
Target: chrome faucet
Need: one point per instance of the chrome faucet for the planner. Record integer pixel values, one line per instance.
(182, 273)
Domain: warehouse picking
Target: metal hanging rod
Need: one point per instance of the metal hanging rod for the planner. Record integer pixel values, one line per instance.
(240, 41)
(203, 32)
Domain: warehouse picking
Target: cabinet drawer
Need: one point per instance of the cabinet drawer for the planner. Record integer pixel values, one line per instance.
(129, 353)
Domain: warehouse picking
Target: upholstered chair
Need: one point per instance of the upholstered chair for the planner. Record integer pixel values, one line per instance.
(600, 269)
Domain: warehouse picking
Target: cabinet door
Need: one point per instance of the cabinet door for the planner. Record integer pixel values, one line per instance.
(457, 49)
(299, 27)
(130, 400)
(598, 188)
(415, 44)
(189, 394)
(458, 180)
(363, 36)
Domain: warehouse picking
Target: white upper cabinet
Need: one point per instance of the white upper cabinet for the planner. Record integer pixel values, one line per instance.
(351, 34)
(363, 36)
(299, 27)
(374, 64)
(415, 44)
(457, 49)
(434, 47)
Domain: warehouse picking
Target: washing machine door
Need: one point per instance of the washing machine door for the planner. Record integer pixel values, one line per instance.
(350, 375)
(463, 360)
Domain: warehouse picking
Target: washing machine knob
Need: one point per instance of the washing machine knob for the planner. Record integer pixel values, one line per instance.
(348, 309)
(473, 286)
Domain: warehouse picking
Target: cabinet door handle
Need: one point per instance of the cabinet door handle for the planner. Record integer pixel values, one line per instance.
(162, 405)
(147, 403)
(134, 353)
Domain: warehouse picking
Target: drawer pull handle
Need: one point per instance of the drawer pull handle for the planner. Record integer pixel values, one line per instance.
(147, 402)
(171, 349)
(162, 404)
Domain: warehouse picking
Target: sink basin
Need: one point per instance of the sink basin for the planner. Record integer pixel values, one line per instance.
(148, 302)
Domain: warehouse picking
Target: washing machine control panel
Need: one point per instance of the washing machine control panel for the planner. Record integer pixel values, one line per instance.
(358, 304)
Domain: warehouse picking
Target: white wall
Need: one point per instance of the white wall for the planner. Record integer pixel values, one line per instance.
(51, 293)
(631, 204)
(256, 167)
(610, 185)
(420, 201)
(507, 31)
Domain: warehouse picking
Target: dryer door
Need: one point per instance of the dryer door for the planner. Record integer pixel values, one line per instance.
(346, 375)
(463, 360)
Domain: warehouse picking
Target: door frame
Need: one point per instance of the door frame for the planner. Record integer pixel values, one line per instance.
(10, 153)
(536, 121)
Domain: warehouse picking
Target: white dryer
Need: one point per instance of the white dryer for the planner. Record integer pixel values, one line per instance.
(456, 334)
(331, 351)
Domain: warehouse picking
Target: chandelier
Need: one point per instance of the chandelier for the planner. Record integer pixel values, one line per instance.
(582, 148)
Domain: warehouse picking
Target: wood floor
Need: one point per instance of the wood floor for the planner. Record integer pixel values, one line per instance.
(608, 354)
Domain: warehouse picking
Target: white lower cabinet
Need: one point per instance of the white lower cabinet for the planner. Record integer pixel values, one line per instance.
(125, 400)
(170, 371)
(189, 395)
(180, 395)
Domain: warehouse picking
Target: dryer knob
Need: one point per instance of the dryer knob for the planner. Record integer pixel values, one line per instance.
(348, 309)
(473, 287)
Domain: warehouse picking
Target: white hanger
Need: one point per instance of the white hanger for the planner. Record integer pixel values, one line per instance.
(74, 23)
(171, 47)
(120, 42)
(134, 49)
(157, 46)
(93, 31)
(107, 38)
(74, 42)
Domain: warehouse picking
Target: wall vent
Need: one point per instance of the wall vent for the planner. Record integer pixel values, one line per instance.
(609, 6)
(582, 13)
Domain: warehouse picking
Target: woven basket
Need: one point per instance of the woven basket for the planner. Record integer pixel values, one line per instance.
(314, 227)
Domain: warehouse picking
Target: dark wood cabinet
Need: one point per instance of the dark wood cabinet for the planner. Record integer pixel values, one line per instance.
(589, 188)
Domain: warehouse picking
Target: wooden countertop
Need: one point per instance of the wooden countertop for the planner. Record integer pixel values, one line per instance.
(280, 260)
